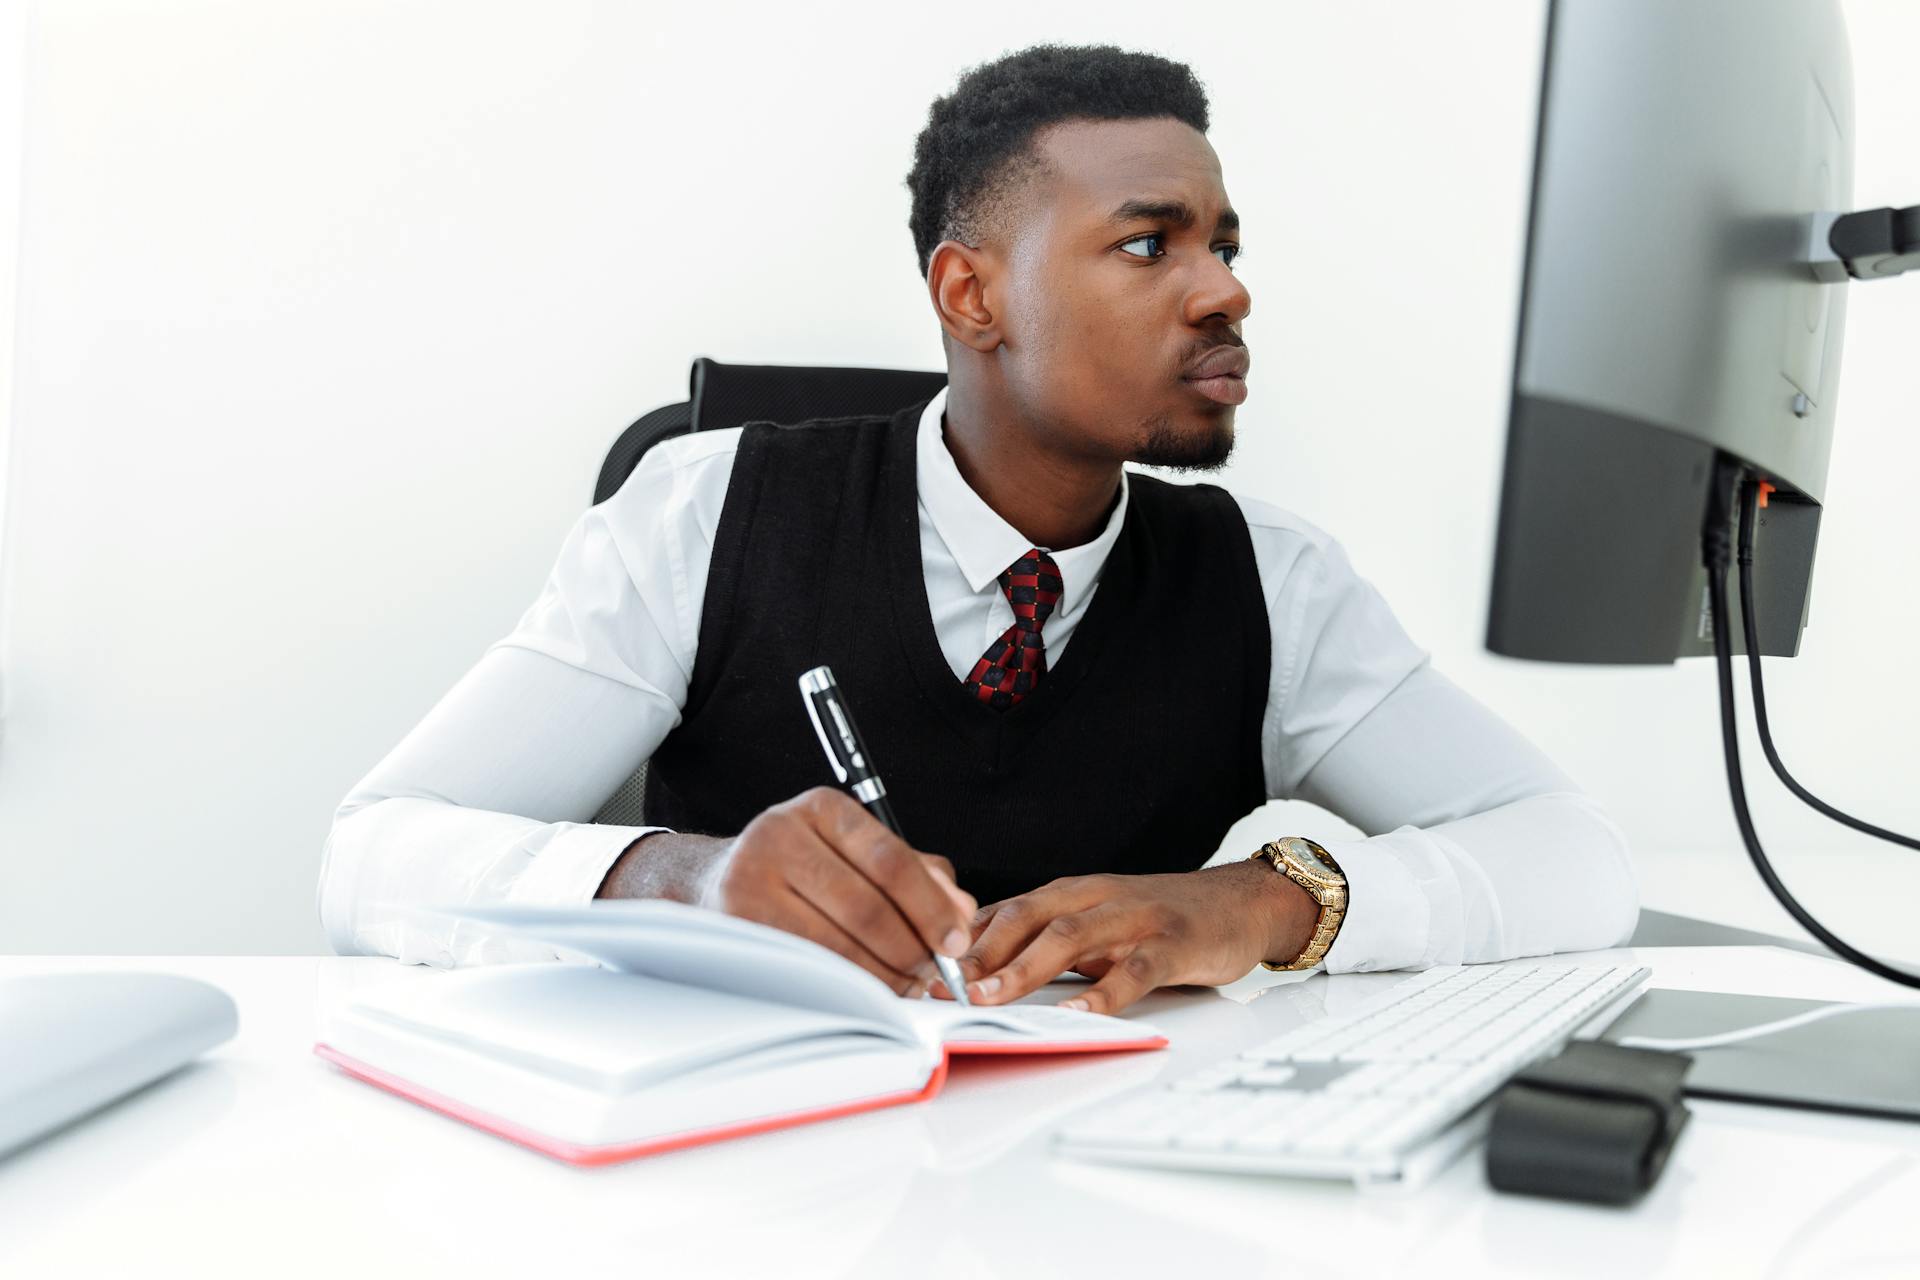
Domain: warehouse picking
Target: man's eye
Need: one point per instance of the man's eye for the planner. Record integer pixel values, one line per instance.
(1231, 250)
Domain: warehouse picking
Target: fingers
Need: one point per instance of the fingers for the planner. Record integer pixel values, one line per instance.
(1008, 927)
(945, 877)
(1003, 929)
(819, 875)
(969, 963)
(980, 919)
(1059, 944)
(849, 883)
(1127, 979)
(798, 916)
(931, 905)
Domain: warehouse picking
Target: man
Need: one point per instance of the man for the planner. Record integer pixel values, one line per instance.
(1074, 679)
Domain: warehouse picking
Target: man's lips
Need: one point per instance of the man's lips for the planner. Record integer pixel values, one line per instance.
(1222, 361)
(1220, 375)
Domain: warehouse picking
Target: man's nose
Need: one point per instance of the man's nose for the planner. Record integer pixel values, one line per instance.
(1219, 292)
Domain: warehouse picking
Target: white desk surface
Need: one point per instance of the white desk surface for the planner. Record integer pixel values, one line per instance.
(263, 1160)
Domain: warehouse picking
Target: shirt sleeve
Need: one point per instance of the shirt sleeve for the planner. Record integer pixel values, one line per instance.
(489, 799)
(1477, 847)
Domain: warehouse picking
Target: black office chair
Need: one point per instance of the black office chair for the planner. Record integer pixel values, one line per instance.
(732, 395)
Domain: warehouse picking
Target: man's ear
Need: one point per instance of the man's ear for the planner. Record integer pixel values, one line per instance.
(957, 277)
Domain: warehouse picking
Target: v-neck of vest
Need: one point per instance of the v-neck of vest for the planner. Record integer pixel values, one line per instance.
(987, 729)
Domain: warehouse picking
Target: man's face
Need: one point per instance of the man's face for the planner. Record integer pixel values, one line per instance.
(1115, 283)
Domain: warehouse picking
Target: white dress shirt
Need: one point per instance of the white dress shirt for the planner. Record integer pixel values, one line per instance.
(1477, 847)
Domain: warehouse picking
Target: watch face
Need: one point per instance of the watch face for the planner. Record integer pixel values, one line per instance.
(1311, 859)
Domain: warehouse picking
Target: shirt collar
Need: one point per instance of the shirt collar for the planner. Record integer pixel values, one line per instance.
(982, 543)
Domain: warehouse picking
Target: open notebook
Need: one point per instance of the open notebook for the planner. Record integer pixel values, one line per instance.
(687, 1026)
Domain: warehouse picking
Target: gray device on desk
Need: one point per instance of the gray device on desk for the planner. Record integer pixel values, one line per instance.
(1866, 1063)
(70, 1043)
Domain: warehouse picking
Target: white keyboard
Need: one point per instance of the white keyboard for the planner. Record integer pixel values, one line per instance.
(1387, 1092)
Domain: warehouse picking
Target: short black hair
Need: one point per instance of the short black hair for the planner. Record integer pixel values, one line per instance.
(978, 143)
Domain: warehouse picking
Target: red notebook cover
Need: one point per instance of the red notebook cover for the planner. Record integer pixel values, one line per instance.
(614, 1153)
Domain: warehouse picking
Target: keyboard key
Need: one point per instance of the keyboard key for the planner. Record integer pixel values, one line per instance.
(1375, 1077)
(1267, 1077)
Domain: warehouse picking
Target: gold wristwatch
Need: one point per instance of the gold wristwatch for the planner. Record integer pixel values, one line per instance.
(1313, 869)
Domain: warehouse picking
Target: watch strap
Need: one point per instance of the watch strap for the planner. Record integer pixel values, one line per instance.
(1325, 929)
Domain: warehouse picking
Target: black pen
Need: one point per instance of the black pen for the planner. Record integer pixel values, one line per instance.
(847, 755)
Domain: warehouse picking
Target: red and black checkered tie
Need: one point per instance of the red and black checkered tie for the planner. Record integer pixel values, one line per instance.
(1011, 667)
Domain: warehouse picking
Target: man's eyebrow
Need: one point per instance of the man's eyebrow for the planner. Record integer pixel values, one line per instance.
(1177, 212)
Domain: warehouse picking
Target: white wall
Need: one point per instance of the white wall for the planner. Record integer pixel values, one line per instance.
(13, 100)
(328, 313)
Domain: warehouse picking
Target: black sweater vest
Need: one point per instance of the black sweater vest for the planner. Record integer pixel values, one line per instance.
(1137, 751)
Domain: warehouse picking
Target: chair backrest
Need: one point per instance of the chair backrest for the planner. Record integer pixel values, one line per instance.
(731, 395)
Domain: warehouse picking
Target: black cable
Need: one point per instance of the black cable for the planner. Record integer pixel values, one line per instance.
(1716, 553)
(1749, 508)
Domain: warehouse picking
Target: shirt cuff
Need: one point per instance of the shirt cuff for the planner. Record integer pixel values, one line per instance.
(1389, 918)
(571, 865)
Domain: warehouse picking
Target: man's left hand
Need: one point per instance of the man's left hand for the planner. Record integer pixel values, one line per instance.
(1132, 933)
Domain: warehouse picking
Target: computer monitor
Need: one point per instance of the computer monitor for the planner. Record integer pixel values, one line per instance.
(1668, 315)
(1679, 349)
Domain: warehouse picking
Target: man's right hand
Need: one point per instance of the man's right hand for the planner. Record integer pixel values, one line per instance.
(821, 866)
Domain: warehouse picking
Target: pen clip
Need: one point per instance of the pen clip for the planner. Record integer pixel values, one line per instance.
(854, 758)
(814, 684)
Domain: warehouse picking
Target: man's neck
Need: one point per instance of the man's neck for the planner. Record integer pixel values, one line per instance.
(1057, 501)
